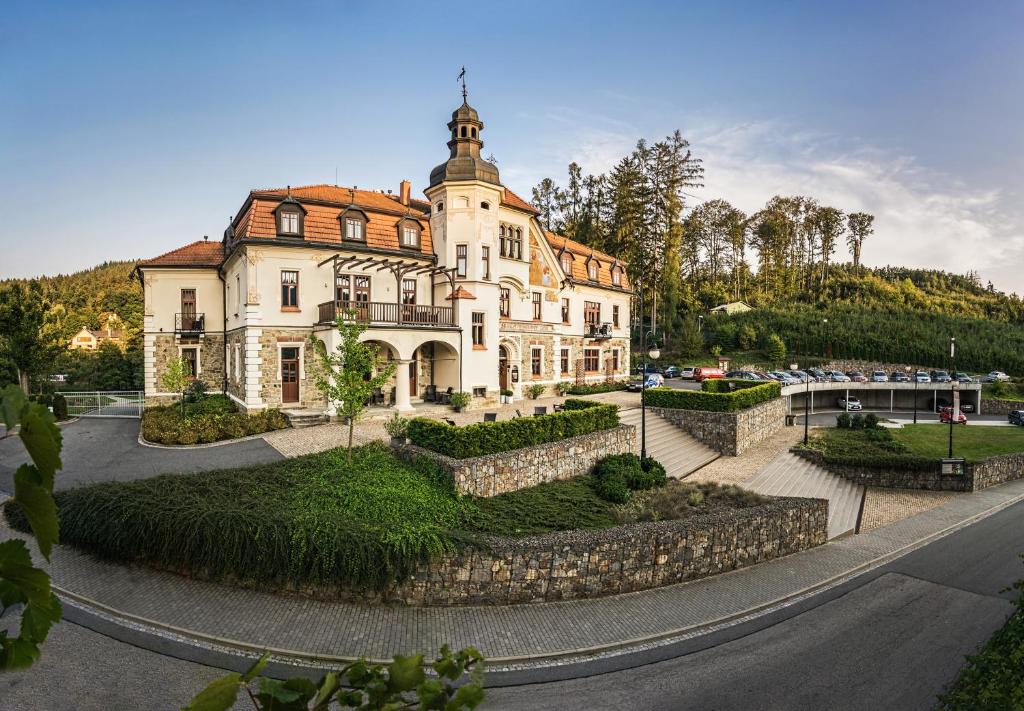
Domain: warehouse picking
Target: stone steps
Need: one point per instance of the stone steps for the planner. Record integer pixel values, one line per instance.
(790, 475)
(680, 453)
(303, 417)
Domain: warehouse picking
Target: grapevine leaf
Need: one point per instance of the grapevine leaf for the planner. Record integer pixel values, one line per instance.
(37, 503)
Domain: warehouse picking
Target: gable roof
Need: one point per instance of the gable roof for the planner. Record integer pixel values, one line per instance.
(202, 253)
(583, 255)
(517, 203)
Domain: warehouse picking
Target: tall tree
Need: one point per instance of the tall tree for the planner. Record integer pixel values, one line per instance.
(860, 225)
(830, 227)
(546, 198)
(25, 339)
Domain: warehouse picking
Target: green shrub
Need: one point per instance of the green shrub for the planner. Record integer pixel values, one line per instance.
(743, 397)
(681, 499)
(843, 420)
(579, 418)
(536, 390)
(595, 388)
(397, 427)
(554, 506)
(857, 421)
(653, 474)
(628, 469)
(55, 401)
(207, 420)
(610, 484)
(459, 400)
(695, 498)
(867, 449)
(871, 421)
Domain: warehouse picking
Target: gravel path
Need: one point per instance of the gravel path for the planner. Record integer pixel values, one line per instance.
(885, 506)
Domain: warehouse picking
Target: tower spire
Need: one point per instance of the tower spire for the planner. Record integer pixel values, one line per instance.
(462, 78)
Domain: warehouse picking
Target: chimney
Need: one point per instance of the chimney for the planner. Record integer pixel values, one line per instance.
(403, 191)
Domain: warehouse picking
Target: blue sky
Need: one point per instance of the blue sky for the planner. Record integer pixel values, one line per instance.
(127, 130)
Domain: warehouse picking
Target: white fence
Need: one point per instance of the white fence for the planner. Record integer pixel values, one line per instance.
(105, 403)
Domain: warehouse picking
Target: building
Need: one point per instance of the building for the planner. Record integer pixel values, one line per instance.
(465, 290)
(90, 340)
(733, 307)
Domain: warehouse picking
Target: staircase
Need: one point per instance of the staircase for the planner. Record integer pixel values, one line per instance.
(680, 453)
(304, 417)
(790, 475)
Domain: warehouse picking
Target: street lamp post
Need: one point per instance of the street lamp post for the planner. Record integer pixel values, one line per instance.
(644, 353)
(953, 409)
(807, 403)
(907, 368)
(824, 350)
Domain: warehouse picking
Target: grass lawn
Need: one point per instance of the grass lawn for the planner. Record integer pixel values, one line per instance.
(974, 442)
(1002, 391)
(318, 519)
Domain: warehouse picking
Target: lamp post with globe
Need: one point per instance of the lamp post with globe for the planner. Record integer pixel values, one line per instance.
(653, 354)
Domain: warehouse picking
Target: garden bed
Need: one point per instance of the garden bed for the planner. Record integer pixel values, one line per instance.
(382, 529)
(209, 418)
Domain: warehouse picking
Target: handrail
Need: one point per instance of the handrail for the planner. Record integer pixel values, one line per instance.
(378, 312)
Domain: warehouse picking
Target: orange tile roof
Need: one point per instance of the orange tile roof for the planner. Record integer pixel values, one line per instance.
(514, 201)
(579, 264)
(321, 222)
(460, 293)
(203, 253)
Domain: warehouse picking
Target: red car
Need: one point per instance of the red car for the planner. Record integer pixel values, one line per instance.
(702, 374)
(944, 415)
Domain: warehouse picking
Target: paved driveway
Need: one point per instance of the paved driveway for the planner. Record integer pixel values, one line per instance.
(98, 449)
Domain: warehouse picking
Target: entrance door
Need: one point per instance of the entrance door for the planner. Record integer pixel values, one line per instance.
(289, 375)
(502, 368)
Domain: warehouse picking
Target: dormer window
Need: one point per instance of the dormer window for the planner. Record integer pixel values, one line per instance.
(567, 263)
(409, 234)
(353, 225)
(289, 223)
(290, 215)
(617, 275)
(592, 270)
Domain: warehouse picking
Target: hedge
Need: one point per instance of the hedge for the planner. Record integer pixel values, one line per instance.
(595, 388)
(744, 396)
(165, 425)
(579, 418)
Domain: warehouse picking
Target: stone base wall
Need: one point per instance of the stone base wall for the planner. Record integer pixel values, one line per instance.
(583, 564)
(500, 473)
(1000, 407)
(211, 358)
(730, 433)
(270, 376)
(997, 470)
(933, 480)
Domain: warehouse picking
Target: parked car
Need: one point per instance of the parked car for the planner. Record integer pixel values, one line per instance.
(651, 368)
(800, 375)
(898, 376)
(879, 376)
(922, 377)
(654, 380)
(856, 376)
(850, 404)
(785, 378)
(996, 375)
(836, 376)
(946, 413)
(672, 371)
(1016, 417)
(742, 375)
(962, 378)
(706, 373)
(687, 372)
(939, 403)
(941, 376)
(818, 374)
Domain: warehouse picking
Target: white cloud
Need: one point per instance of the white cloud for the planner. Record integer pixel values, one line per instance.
(923, 218)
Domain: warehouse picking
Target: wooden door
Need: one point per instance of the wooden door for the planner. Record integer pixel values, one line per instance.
(188, 309)
(503, 370)
(289, 375)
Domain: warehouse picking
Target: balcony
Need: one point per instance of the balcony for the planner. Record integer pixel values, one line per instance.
(189, 324)
(599, 331)
(376, 313)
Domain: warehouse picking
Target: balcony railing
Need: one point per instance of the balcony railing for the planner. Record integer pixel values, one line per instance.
(190, 324)
(599, 331)
(376, 312)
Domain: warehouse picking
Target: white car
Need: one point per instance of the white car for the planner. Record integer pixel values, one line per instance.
(687, 372)
(922, 377)
(850, 404)
(836, 376)
(879, 376)
(996, 376)
(785, 378)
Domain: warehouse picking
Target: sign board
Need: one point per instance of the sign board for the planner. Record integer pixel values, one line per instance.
(953, 467)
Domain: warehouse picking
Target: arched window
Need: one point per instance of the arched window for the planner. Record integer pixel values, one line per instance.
(353, 225)
(463, 131)
(485, 205)
(617, 275)
(592, 267)
(473, 131)
(567, 263)
(408, 234)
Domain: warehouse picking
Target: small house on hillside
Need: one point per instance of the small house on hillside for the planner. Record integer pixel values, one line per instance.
(733, 307)
(90, 340)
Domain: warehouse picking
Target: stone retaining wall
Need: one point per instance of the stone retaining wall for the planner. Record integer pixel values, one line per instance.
(997, 470)
(730, 433)
(495, 474)
(1000, 407)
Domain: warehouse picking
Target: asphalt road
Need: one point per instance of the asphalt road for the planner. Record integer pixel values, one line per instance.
(98, 449)
(890, 639)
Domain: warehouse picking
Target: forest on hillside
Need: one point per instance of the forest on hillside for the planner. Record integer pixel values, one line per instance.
(796, 261)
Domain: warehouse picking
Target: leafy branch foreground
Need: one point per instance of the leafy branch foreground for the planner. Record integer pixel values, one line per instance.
(402, 684)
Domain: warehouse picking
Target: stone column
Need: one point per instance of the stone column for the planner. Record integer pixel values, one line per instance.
(402, 403)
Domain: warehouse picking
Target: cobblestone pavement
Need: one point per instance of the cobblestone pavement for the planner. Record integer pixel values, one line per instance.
(737, 470)
(307, 440)
(322, 627)
(884, 506)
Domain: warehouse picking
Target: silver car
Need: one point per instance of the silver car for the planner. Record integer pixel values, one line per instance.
(850, 404)
(879, 376)
(836, 376)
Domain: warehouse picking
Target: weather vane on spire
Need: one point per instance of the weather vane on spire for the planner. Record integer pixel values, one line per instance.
(462, 78)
